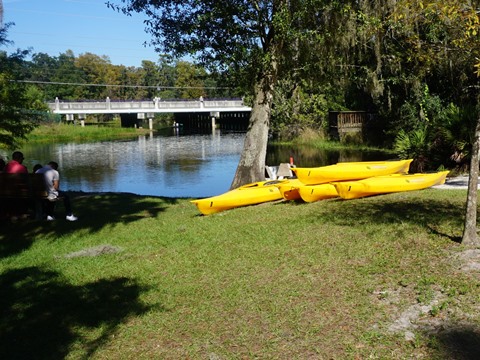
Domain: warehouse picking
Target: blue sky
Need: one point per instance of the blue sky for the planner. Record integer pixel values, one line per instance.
(54, 26)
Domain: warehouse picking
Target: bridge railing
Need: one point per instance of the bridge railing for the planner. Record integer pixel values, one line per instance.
(142, 105)
(77, 106)
(131, 105)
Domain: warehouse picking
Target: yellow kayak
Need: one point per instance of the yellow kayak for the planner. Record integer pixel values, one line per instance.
(350, 171)
(289, 189)
(388, 184)
(250, 194)
(311, 193)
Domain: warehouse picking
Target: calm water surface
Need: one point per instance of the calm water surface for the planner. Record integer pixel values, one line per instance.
(173, 166)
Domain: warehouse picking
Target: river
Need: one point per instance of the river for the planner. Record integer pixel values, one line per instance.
(197, 165)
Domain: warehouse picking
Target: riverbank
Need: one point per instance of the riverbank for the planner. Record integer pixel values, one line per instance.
(64, 133)
(148, 277)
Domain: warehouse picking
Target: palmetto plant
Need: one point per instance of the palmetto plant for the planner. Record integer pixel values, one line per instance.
(413, 144)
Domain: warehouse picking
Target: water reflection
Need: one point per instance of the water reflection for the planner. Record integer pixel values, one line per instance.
(196, 165)
(308, 156)
(176, 166)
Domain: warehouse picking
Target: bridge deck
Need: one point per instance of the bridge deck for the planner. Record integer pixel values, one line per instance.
(153, 106)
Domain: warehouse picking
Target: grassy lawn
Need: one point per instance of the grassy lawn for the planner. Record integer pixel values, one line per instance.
(149, 278)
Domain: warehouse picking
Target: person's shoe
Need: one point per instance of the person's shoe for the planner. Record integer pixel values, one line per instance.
(50, 218)
(71, 218)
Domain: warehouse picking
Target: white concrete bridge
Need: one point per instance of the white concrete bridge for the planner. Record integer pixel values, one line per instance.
(147, 109)
(154, 106)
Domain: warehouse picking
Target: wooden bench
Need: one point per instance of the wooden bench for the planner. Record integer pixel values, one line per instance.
(20, 193)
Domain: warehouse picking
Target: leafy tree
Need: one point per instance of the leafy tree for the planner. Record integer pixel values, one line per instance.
(35, 98)
(42, 67)
(298, 107)
(15, 121)
(150, 76)
(16, 117)
(66, 73)
(111, 75)
(96, 70)
(437, 35)
(166, 82)
(188, 82)
(133, 77)
(259, 37)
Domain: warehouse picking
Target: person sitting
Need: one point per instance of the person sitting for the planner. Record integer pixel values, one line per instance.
(15, 165)
(36, 167)
(52, 183)
(18, 207)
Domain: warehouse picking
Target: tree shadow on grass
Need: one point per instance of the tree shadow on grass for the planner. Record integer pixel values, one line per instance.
(395, 209)
(42, 315)
(95, 212)
(459, 342)
(457, 239)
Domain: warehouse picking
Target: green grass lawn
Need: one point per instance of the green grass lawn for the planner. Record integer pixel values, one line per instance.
(328, 280)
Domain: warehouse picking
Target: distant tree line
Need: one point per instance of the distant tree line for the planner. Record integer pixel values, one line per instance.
(92, 77)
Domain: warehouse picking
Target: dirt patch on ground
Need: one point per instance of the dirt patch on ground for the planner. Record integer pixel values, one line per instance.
(416, 317)
(93, 251)
(469, 260)
(436, 315)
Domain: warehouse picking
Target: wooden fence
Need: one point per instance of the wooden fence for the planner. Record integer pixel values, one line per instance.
(351, 126)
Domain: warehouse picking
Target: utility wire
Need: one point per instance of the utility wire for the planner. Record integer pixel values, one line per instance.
(127, 86)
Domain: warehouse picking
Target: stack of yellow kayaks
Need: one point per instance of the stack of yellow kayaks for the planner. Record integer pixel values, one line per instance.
(313, 183)
(249, 194)
(350, 171)
(388, 184)
(347, 180)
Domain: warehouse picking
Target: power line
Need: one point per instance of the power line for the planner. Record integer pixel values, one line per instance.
(115, 85)
(72, 35)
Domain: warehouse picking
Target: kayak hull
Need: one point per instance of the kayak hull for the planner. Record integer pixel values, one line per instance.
(289, 190)
(350, 171)
(311, 193)
(250, 194)
(388, 184)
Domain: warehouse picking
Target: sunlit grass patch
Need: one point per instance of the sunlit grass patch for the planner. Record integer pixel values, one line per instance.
(62, 133)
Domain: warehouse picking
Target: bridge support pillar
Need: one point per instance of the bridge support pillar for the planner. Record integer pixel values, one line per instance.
(81, 117)
(140, 118)
(213, 116)
(150, 117)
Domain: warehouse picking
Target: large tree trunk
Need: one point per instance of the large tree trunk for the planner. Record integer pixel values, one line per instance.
(251, 167)
(470, 237)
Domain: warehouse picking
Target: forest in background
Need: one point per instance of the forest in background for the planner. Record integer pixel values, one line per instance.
(93, 77)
